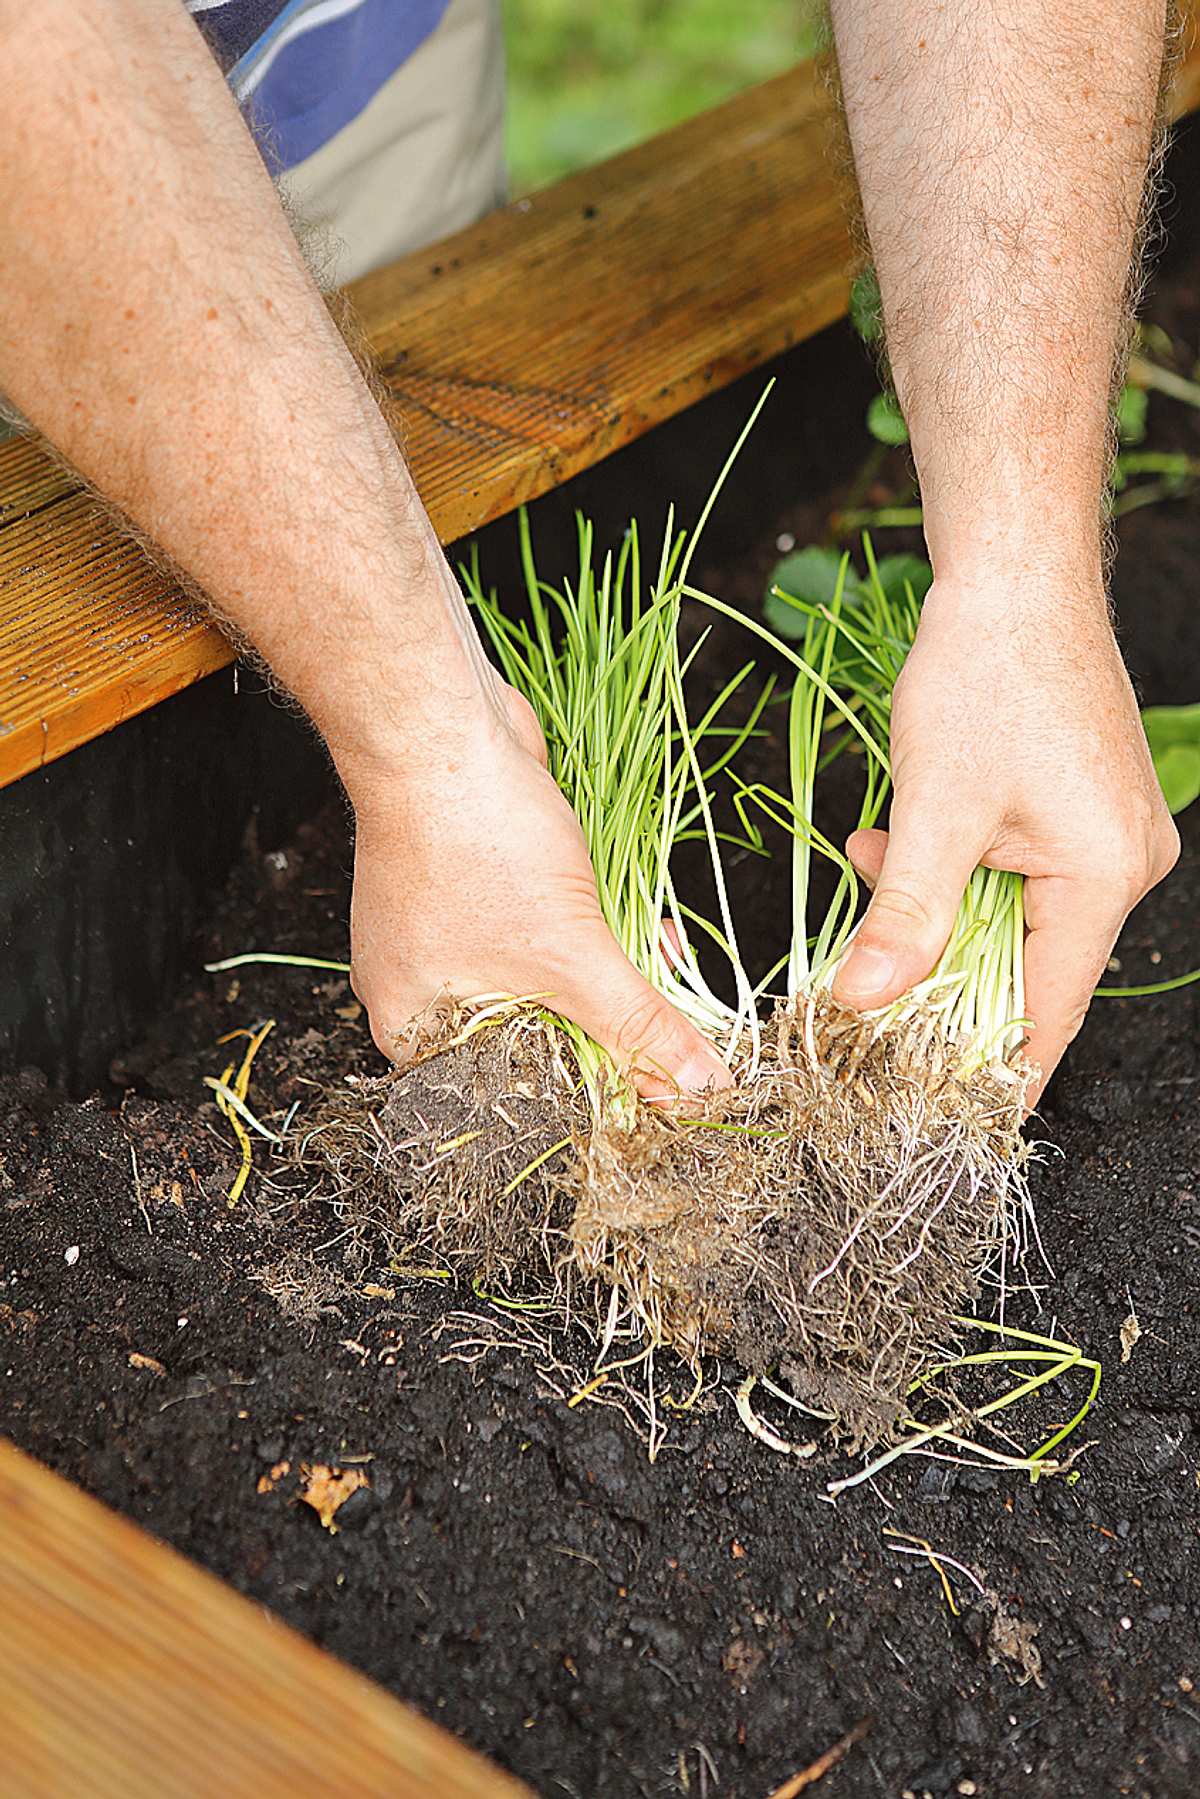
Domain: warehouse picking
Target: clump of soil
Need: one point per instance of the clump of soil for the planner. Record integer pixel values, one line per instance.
(834, 1212)
(459, 1156)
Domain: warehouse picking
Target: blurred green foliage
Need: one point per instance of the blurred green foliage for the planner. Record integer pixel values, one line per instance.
(590, 77)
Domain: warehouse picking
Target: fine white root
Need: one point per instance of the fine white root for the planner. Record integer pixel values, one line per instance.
(758, 1428)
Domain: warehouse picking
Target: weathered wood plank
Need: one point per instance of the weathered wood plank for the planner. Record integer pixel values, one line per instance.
(640, 284)
(129, 1673)
(519, 351)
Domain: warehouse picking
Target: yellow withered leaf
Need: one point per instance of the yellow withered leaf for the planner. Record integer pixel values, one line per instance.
(327, 1489)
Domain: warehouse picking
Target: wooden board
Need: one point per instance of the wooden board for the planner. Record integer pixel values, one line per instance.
(521, 351)
(129, 1673)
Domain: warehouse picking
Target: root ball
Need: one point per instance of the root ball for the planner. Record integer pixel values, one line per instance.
(829, 1216)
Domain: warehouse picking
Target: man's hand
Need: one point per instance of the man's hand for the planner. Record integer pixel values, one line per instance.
(1016, 742)
(473, 879)
(1001, 149)
(160, 327)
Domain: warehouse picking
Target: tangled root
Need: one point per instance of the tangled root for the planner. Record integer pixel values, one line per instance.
(460, 1156)
(831, 1215)
(834, 1223)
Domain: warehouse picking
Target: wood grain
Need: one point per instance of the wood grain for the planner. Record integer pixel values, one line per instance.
(129, 1673)
(519, 351)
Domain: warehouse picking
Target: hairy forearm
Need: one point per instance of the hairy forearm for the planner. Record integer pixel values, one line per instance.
(159, 326)
(1001, 148)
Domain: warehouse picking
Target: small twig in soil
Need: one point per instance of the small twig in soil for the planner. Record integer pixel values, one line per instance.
(137, 1188)
(800, 1783)
(576, 1555)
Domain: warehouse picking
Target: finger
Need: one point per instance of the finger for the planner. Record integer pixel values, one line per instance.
(426, 1025)
(667, 1057)
(1072, 926)
(927, 861)
(665, 1053)
(866, 850)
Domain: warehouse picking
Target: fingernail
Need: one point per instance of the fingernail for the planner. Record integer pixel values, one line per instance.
(699, 1075)
(865, 975)
(704, 1074)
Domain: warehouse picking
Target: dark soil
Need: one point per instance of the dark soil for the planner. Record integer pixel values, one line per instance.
(517, 1569)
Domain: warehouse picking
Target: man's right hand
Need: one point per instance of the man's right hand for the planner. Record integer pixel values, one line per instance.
(471, 877)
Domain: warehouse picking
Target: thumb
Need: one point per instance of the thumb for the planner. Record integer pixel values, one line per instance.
(866, 849)
(919, 881)
(665, 1053)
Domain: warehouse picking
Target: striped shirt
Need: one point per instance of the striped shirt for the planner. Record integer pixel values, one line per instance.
(303, 69)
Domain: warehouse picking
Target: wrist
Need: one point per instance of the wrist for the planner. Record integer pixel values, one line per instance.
(411, 688)
(1023, 579)
(1011, 513)
(996, 547)
(384, 745)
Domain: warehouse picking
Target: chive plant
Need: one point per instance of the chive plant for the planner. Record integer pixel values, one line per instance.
(966, 1018)
(847, 661)
(832, 1212)
(600, 660)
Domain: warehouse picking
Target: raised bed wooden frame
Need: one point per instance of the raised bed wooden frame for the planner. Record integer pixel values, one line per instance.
(520, 351)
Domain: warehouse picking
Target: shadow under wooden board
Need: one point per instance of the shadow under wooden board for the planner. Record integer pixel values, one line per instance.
(131, 1674)
(519, 351)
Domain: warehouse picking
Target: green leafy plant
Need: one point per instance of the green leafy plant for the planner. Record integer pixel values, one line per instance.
(866, 306)
(811, 577)
(885, 421)
(1132, 407)
(1173, 733)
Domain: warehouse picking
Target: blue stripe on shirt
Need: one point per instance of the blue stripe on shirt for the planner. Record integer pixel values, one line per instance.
(304, 69)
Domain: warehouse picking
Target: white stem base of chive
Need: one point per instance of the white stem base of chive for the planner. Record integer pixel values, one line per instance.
(976, 993)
